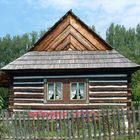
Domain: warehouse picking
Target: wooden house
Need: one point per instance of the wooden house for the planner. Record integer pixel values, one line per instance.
(70, 67)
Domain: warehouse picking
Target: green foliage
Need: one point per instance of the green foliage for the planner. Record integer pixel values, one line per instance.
(136, 85)
(12, 48)
(127, 42)
(1, 102)
(4, 93)
(3, 130)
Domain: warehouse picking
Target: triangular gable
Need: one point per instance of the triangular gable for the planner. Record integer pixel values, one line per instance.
(70, 33)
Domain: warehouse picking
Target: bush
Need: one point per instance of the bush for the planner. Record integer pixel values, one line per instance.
(3, 130)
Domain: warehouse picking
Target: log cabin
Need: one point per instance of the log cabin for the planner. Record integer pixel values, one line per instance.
(70, 67)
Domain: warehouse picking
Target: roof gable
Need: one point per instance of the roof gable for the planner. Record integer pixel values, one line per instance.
(70, 33)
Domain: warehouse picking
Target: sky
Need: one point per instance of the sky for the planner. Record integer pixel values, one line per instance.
(21, 16)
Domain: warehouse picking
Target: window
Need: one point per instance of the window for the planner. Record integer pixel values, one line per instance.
(78, 91)
(54, 91)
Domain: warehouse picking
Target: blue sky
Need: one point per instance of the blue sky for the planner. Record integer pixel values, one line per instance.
(21, 16)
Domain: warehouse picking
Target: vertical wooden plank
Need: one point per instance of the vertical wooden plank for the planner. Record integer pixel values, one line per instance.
(108, 123)
(30, 126)
(16, 125)
(41, 128)
(94, 125)
(123, 122)
(139, 118)
(45, 91)
(134, 121)
(104, 128)
(48, 126)
(69, 124)
(24, 125)
(57, 125)
(129, 124)
(13, 125)
(43, 125)
(65, 125)
(72, 125)
(9, 125)
(52, 136)
(99, 122)
(78, 129)
(118, 121)
(33, 131)
(61, 125)
(129, 87)
(11, 95)
(20, 125)
(37, 127)
(114, 124)
(83, 124)
(13, 131)
(88, 124)
(87, 90)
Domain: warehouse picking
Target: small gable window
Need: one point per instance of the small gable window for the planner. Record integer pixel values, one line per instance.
(54, 91)
(78, 91)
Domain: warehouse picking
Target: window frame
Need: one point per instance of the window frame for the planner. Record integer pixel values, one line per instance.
(77, 88)
(54, 84)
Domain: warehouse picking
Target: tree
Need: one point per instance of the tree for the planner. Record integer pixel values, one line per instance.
(127, 42)
(110, 33)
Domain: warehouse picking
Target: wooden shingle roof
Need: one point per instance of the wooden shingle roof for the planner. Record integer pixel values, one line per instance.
(70, 60)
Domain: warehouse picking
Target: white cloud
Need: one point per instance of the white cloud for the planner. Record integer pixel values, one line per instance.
(101, 12)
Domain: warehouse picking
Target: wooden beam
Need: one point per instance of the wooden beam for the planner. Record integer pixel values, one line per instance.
(109, 101)
(63, 107)
(28, 90)
(94, 40)
(28, 96)
(52, 35)
(28, 101)
(107, 83)
(109, 89)
(109, 95)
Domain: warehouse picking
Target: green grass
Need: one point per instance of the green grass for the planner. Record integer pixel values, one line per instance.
(126, 138)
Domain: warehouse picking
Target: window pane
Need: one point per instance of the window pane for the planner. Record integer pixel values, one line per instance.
(51, 91)
(81, 91)
(58, 91)
(73, 90)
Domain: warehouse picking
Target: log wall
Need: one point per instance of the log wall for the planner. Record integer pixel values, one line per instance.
(103, 90)
(109, 90)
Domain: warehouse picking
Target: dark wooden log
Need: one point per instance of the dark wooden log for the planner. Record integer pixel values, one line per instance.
(28, 80)
(107, 83)
(108, 78)
(28, 90)
(62, 107)
(109, 95)
(109, 89)
(109, 101)
(28, 85)
(28, 101)
(38, 96)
